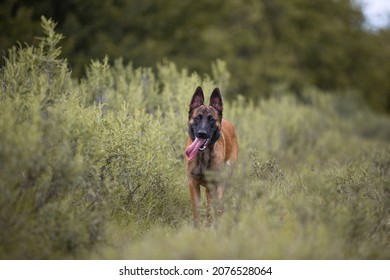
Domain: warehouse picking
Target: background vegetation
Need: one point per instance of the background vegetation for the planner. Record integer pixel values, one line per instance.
(265, 43)
(95, 168)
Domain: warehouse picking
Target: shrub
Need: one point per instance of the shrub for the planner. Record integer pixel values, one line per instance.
(95, 168)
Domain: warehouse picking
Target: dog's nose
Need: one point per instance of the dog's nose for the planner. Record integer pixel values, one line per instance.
(202, 134)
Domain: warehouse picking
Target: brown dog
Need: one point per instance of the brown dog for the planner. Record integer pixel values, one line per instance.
(212, 149)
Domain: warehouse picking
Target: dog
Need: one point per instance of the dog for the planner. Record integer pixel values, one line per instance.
(211, 150)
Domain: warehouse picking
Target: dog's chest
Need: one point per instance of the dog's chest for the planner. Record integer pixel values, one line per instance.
(202, 164)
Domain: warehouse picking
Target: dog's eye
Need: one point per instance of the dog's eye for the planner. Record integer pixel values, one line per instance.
(211, 119)
(198, 118)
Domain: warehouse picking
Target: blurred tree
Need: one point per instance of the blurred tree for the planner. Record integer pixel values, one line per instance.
(264, 42)
(17, 24)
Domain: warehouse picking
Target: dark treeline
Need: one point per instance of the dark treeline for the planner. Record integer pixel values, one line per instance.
(265, 43)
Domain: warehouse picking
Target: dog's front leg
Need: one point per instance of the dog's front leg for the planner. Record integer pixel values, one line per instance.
(210, 203)
(194, 188)
(214, 195)
(220, 192)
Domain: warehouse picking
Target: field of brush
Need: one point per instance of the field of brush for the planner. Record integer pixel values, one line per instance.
(95, 169)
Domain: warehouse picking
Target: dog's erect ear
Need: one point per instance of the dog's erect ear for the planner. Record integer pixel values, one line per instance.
(216, 101)
(197, 99)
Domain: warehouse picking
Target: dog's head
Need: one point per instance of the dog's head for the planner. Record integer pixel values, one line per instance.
(204, 122)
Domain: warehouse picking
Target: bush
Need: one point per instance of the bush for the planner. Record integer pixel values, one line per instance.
(95, 168)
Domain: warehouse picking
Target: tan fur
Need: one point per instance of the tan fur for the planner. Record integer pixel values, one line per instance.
(218, 159)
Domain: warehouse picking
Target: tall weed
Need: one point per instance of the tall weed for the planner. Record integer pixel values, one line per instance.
(95, 168)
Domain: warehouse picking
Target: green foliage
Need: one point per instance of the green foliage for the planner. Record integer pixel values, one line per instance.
(95, 168)
(264, 43)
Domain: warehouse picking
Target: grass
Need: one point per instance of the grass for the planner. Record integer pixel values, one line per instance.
(94, 169)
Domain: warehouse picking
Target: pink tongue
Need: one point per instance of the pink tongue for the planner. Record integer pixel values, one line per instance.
(192, 149)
